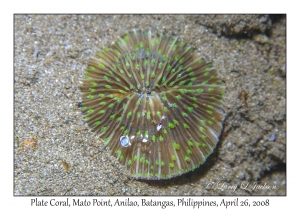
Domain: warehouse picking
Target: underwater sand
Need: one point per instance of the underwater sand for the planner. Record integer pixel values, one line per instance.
(55, 153)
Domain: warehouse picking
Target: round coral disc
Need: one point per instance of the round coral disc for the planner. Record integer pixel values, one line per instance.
(156, 104)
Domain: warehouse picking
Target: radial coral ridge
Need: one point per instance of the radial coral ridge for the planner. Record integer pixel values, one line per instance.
(155, 102)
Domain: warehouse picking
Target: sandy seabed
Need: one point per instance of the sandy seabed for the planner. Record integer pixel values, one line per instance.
(55, 153)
